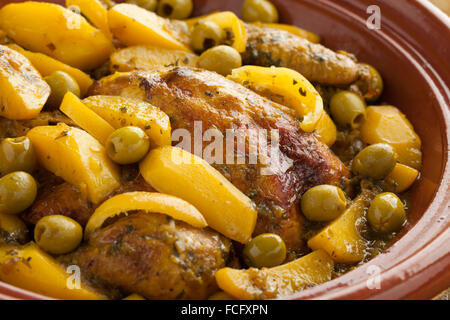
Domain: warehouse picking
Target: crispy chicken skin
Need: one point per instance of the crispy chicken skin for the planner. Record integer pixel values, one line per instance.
(63, 199)
(272, 47)
(189, 95)
(155, 256)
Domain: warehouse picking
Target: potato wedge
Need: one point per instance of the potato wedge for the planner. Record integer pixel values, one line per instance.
(77, 157)
(285, 86)
(283, 280)
(147, 201)
(85, 118)
(341, 238)
(23, 92)
(229, 22)
(174, 171)
(148, 57)
(95, 12)
(47, 65)
(121, 112)
(302, 33)
(57, 32)
(389, 125)
(28, 267)
(401, 177)
(135, 26)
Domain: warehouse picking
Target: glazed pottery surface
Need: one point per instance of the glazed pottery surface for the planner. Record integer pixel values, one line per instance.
(412, 51)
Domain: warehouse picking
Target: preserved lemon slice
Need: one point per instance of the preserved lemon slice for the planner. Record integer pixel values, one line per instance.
(285, 86)
(148, 201)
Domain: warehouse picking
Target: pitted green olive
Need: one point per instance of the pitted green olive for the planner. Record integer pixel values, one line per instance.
(17, 154)
(127, 145)
(265, 250)
(206, 35)
(175, 9)
(60, 83)
(221, 59)
(323, 203)
(375, 161)
(58, 234)
(386, 213)
(18, 191)
(348, 109)
(259, 10)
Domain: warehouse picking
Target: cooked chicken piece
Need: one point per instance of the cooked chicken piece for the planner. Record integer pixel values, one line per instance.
(58, 197)
(154, 256)
(189, 95)
(273, 47)
(18, 128)
(63, 199)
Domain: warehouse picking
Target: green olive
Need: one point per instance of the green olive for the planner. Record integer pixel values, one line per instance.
(206, 34)
(127, 145)
(370, 83)
(17, 192)
(17, 154)
(221, 59)
(58, 234)
(146, 4)
(375, 161)
(323, 203)
(386, 213)
(60, 83)
(265, 250)
(348, 109)
(259, 10)
(175, 9)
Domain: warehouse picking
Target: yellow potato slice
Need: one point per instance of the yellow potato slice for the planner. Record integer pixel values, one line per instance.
(135, 26)
(77, 157)
(121, 112)
(94, 11)
(85, 118)
(47, 65)
(283, 280)
(28, 267)
(285, 86)
(148, 201)
(341, 238)
(57, 32)
(174, 171)
(402, 177)
(23, 92)
(388, 125)
(148, 57)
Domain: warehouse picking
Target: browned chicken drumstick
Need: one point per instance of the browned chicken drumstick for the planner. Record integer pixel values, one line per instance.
(189, 95)
(155, 256)
(273, 47)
